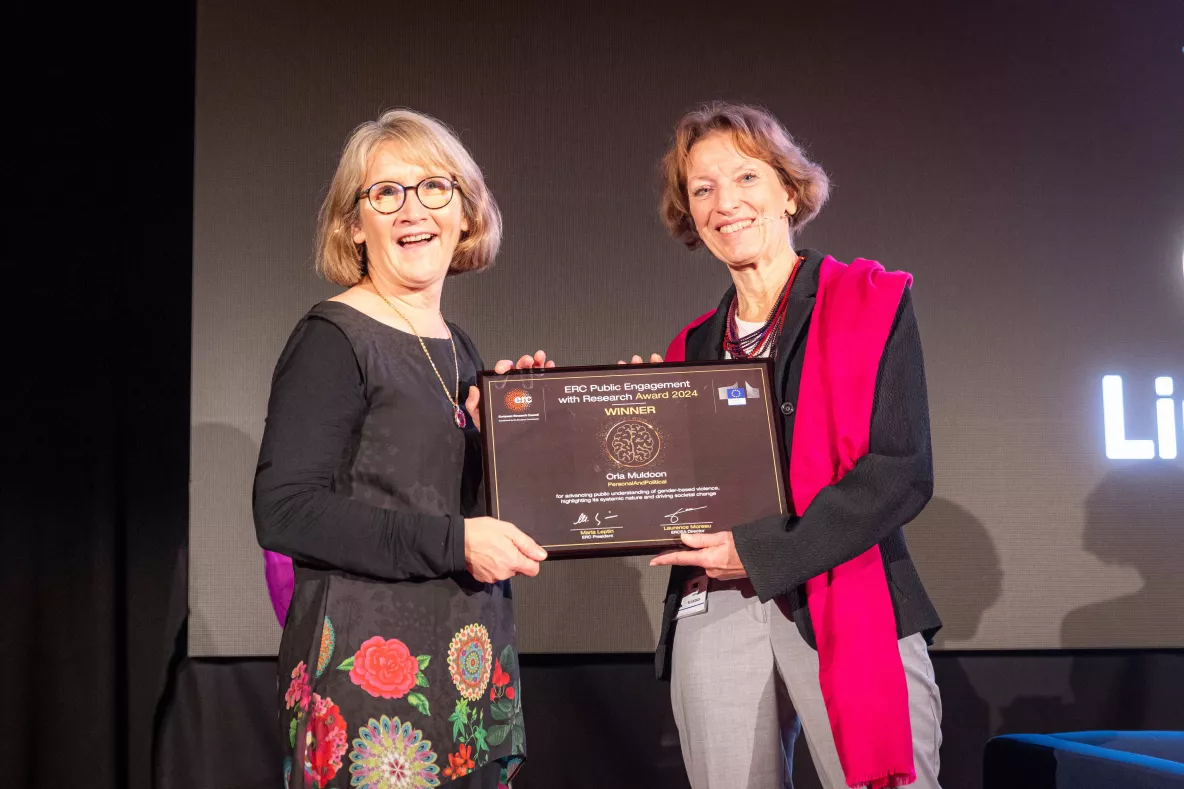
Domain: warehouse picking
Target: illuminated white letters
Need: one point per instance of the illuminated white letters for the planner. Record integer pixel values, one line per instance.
(1165, 418)
(1118, 446)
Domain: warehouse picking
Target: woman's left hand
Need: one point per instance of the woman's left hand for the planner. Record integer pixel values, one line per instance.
(526, 362)
(715, 552)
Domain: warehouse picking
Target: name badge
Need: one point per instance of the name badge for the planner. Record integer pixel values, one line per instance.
(694, 597)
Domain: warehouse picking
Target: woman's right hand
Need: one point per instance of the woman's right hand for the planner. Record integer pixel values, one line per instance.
(654, 359)
(496, 550)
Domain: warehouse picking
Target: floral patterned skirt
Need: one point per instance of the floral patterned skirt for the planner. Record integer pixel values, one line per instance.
(398, 685)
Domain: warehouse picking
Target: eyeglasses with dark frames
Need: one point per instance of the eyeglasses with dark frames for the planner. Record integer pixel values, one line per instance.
(387, 197)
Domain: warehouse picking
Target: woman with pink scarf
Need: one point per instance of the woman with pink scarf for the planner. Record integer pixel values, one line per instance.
(816, 620)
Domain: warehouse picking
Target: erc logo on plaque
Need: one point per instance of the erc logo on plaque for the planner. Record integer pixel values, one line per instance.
(518, 400)
(521, 406)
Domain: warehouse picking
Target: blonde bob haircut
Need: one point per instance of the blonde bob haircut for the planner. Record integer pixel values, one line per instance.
(755, 133)
(425, 141)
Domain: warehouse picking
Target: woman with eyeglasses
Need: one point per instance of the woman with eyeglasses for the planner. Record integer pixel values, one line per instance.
(398, 663)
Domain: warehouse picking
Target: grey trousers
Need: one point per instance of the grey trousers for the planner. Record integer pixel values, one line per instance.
(744, 683)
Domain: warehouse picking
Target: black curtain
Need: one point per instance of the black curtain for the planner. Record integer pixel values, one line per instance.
(99, 124)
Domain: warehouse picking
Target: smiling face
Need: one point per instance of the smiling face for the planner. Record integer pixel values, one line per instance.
(414, 246)
(738, 203)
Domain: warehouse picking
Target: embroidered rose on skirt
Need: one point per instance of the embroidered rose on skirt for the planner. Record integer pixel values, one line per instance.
(384, 668)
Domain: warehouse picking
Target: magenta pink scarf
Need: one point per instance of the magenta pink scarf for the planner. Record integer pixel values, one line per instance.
(859, 667)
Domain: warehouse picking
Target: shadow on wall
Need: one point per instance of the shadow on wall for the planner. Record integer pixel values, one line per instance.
(1135, 518)
(229, 611)
(961, 570)
(959, 565)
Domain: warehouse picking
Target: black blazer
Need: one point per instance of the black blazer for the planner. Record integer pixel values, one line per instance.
(886, 489)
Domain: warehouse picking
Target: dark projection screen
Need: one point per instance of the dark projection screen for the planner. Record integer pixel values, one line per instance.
(1024, 161)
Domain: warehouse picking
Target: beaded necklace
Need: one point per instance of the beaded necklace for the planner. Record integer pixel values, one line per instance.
(753, 344)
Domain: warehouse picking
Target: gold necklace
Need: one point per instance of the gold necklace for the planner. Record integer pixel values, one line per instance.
(458, 416)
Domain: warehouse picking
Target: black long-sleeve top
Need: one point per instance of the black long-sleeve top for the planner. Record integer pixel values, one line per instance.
(377, 492)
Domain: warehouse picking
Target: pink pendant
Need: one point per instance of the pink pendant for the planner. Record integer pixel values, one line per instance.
(460, 419)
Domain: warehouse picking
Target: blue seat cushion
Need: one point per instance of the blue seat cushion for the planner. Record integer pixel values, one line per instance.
(1086, 760)
(1168, 745)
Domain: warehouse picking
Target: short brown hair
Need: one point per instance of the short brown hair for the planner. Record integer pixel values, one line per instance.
(756, 133)
(430, 143)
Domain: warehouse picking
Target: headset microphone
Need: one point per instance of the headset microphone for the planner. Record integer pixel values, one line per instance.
(764, 219)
